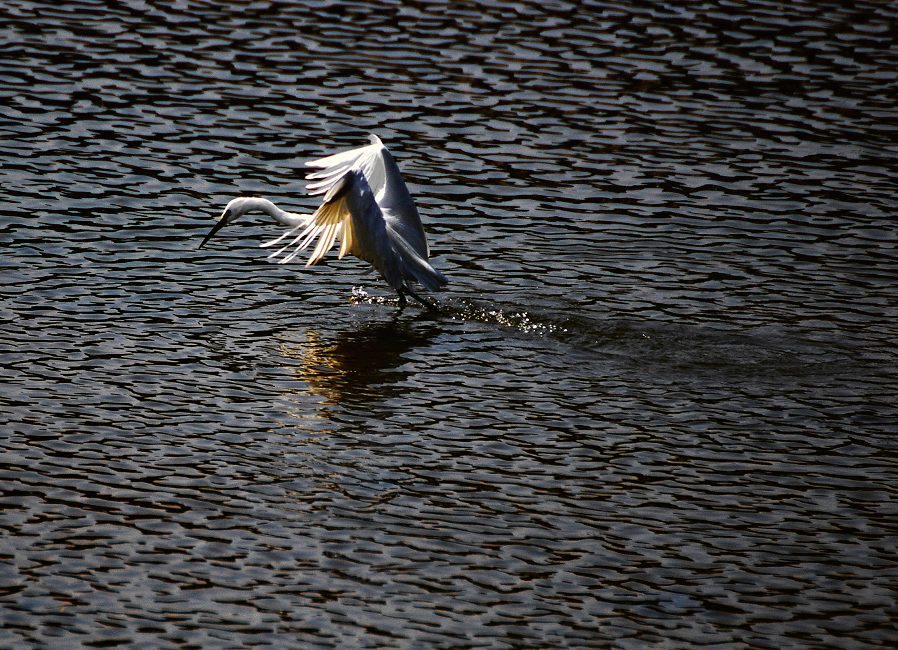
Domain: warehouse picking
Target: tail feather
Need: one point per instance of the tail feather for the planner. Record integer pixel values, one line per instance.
(414, 267)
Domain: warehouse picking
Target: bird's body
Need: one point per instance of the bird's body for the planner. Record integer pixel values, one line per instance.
(367, 206)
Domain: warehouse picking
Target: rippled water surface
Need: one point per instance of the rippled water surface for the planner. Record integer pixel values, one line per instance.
(660, 405)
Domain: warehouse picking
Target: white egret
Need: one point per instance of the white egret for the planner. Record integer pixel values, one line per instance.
(366, 206)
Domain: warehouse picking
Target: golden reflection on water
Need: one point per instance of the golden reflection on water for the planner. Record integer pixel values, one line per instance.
(356, 366)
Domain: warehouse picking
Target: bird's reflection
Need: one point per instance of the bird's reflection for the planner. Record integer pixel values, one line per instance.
(357, 366)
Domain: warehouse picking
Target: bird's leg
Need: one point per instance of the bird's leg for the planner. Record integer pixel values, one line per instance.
(402, 300)
(427, 304)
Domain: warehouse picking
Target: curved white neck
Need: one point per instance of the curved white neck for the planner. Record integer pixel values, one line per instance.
(254, 203)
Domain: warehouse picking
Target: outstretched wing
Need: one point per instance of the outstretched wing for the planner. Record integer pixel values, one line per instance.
(368, 207)
(357, 174)
(332, 219)
(382, 174)
(332, 168)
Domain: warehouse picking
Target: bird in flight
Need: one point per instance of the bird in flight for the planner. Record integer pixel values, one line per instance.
(367, 206)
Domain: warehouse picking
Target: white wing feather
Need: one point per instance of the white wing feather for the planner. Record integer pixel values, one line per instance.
(368, 207)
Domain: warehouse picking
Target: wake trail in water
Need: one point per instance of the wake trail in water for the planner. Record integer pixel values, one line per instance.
(525, 322)
(659, 347)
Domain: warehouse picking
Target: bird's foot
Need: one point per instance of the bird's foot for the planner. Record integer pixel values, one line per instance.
(426, 303)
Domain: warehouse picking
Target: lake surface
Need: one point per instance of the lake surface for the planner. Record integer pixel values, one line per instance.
(659, 410)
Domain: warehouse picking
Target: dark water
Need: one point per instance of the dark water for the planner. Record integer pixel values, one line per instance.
(661, 407)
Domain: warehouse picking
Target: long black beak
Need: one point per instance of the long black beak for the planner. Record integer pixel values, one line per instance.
(218, 226)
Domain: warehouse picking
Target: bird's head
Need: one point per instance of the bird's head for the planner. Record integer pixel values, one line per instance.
(235, 209)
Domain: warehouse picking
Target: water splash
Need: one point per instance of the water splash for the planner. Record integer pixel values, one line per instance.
(521, 321)
(361, 297)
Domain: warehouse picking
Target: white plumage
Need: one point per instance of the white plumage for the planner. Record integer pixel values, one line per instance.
(367, 206)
